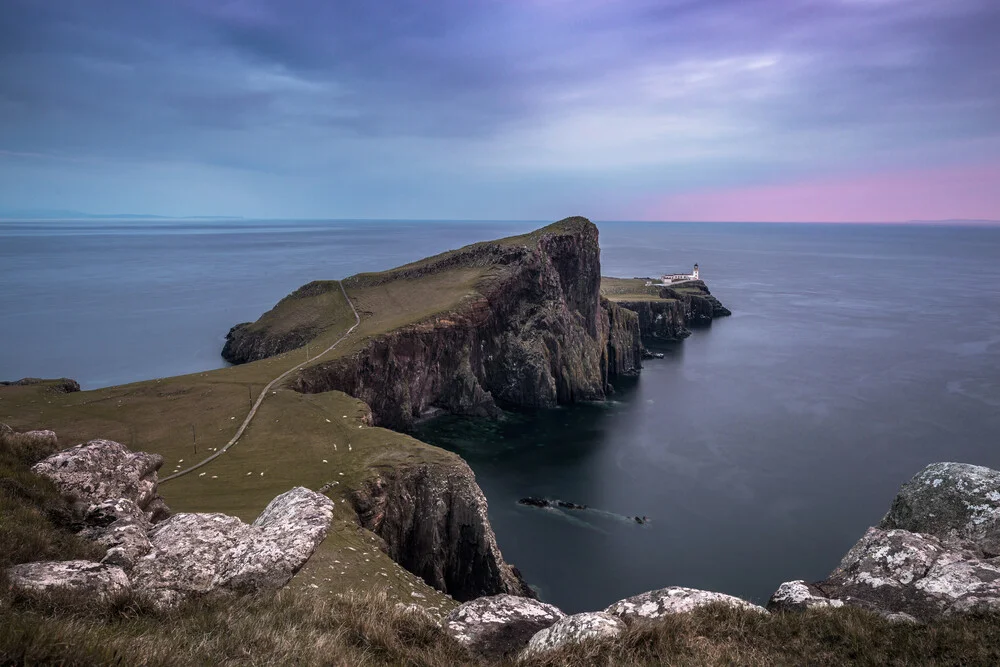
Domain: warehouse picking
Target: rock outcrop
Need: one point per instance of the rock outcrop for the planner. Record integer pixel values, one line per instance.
(169, 559)
(196, 554)
(501, 625)
(81, 579)
(434, 520)
(934, 554)
(573, 630)
(799, 596)
(103, 470)
(672, 600)
(952, 501)
(61, 385)
(537, 334)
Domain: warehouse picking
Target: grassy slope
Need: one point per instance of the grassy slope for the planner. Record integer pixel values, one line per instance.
(635, 289)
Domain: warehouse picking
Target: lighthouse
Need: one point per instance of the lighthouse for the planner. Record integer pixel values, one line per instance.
(694, 276)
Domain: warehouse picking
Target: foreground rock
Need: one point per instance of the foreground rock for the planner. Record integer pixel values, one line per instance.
(897, 571)
(933, 555)
(195, 554)
(573, 630)
(952, 501)
(500, 625)
(103, 470)
(81, 579)
(673, 600)
(799, 596)
(182, 556)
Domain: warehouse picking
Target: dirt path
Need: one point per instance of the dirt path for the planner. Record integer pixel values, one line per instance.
(263, 394)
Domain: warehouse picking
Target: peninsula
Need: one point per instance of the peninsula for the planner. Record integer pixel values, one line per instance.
(326, 373)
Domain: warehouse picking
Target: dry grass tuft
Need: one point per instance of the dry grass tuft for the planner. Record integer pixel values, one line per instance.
(35, 520)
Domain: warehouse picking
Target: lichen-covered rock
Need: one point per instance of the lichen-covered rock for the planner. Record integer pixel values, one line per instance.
(103, 470)
(195, 554)
(499, 625)
(573, 630)
(799, 596)
(899, 572)
(673, 600)
(952, 501)
(120, 526)
(83, 578)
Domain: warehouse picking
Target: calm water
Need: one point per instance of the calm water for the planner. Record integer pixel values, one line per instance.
(760, 448)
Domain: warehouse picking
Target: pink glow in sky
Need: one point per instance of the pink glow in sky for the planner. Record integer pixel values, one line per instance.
(969, 192)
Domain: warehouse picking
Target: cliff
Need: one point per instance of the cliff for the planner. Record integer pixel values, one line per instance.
(434, 522)
(665, 313)
(534, 333)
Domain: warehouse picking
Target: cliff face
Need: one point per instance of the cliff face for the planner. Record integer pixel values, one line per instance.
(537, 335)
(433, 519)
(689, 305)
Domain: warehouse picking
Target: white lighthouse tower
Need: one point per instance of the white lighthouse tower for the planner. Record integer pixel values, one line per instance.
(694, 276)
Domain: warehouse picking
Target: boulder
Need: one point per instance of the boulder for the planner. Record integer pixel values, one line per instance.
(673, 600)
(898, 572)
(952, 501)
(499, 625)
(799, 596)
(196, 554)
(103, 470)
(82, 578)
(120, 526)
(573, 630)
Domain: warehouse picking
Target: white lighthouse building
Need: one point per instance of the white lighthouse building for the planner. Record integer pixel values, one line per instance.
(679, 277)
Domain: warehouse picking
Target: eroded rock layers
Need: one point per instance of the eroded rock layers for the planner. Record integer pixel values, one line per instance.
(537, 335)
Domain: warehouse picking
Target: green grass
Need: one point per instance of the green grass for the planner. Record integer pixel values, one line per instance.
(34, 517)
(369, 629)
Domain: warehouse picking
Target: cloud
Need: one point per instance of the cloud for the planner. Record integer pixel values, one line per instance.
(452, 105)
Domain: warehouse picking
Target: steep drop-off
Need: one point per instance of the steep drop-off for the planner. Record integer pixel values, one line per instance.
(536, 334)
(675, 310)
(433, 519)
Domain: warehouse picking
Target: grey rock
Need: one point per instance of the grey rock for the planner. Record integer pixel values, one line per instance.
(103, 470)
(673, 600)
(899, 572)
(196, 554)
(952, 501)
(499, 625)
(573, 630)
(120, 526)
(799, 596)
(82, 578)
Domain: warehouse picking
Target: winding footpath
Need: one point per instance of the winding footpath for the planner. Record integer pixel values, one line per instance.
(263, 394)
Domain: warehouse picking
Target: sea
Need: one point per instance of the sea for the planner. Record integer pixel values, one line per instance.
(756, 451)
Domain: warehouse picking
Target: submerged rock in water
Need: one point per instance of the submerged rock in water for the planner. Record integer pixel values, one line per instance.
(673, 600)
(499, 625)
(573, 630)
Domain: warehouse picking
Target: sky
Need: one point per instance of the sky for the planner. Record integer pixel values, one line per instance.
(783, 110)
